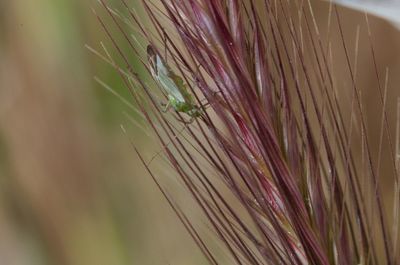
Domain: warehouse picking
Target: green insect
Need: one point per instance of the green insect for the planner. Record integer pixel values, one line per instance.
(179, 97)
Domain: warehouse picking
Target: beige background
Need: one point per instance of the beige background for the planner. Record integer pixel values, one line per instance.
(71, 189)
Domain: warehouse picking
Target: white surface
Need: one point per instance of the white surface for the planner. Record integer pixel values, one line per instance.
(387, 9)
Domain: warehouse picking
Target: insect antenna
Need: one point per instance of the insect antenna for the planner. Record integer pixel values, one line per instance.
(165, 39)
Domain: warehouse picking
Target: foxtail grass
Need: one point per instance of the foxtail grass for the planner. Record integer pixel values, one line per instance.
(272, 161)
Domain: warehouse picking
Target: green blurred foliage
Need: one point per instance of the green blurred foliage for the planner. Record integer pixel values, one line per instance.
(72, 191)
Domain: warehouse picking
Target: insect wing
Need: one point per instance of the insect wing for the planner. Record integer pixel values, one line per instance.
(168, 83)
(161, 72)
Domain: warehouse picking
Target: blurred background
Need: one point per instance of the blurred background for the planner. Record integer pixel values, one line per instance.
(72, 191)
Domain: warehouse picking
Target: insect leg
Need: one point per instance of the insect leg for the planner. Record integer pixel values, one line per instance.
(181, 119)
(207, 104)
(166, 106)
(187, 122)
